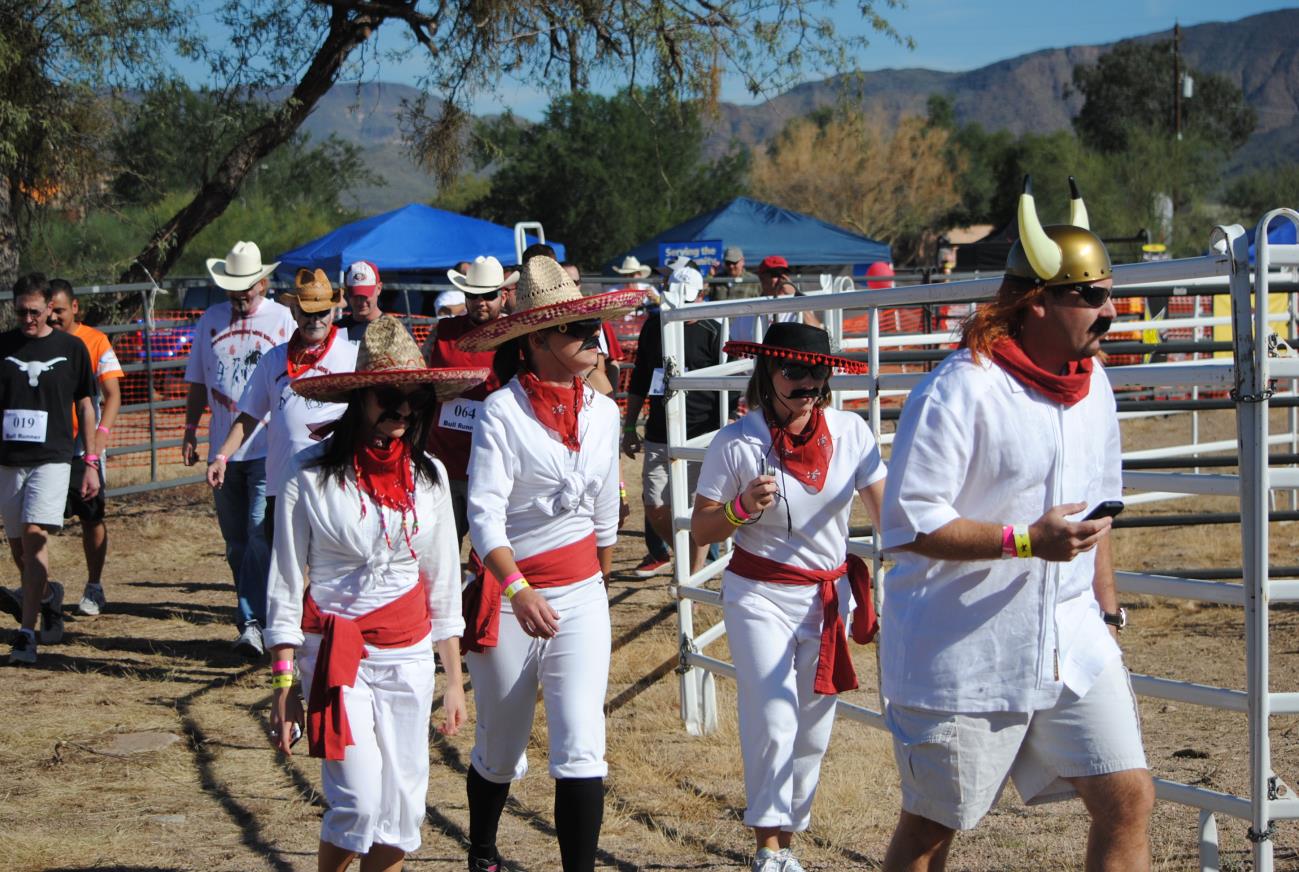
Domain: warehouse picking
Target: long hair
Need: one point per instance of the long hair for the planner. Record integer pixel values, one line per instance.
(761, 391)
(349, 430)
(1002, 318)
(511, 356)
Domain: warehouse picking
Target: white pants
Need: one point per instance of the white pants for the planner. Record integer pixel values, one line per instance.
(378, 792)
(784, 724)
(572, 670)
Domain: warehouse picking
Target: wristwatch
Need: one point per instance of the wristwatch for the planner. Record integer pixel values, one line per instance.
(1120, 620)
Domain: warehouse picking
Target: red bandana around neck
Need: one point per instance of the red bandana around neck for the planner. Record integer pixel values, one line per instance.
(301, 358)
(386, 475)
(1064, 389)
(556, 406)
(805, 456)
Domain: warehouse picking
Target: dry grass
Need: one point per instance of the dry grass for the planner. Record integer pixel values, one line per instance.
(159, 659)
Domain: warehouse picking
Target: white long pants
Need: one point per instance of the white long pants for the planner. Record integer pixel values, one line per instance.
(572, 670)
(784, 724)
(378, 792)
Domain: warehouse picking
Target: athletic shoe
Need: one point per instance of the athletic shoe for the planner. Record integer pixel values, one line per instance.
(23, 650)
(250, 642)
(790, 862)
(92, 600)
(52, 615)
(11, 602)
(650, 566)
(768, 860)
(478, 864)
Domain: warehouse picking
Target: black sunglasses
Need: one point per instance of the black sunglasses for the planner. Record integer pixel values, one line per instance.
(1094, 296)
(800, 371)
(28, 313)
(584, 330)
(390, 398)
(488, 295)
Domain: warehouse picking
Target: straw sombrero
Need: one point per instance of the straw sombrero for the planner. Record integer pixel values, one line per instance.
(389, 356)
(547, 297)
(801, 343)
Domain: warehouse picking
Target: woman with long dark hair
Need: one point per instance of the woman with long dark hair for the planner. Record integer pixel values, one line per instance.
(781, 480)
(370, 512)
(543, 515)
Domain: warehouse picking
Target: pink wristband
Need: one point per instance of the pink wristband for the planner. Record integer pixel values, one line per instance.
(511, 578)
(1008, 541)
(281, 666)
(102, 429)
(222, 458)
(738, 507)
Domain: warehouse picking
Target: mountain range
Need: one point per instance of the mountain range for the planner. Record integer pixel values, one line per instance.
(1031, 91)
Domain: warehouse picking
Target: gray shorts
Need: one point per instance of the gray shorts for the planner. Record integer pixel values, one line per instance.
(954, 766)
(33, 495)
(654, 475)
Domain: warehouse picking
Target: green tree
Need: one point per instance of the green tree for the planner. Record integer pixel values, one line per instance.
(1251, 197)
(603, 173)
(1131, 88)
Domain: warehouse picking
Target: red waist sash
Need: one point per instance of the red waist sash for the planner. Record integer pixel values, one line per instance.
(399, 624)
(562, 566)
(834, 672)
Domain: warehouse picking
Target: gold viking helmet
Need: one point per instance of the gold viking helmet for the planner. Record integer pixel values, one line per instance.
(1062, 254)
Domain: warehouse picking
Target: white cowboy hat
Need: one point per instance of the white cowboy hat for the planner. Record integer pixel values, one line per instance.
(241, 269)
(484, 275)
(632, 267)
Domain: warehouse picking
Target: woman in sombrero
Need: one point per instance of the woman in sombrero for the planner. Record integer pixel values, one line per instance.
(370, 513)
(781, 480)
(543, 515)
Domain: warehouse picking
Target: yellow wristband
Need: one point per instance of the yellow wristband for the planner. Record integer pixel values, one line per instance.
(1023, 547)
(281, 681)
(731, 517)
(516, 587)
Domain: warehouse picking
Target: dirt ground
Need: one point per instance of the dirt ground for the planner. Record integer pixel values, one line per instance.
(159, 660)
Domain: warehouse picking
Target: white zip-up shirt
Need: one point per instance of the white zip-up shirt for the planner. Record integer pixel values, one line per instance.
(993, 635)
(352, 569)
(527, 490)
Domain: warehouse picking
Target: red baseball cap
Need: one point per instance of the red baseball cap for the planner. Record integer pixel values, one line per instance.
(362, 277)
(773, 263)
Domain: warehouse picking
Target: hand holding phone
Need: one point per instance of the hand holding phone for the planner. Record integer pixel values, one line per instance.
(1105, 509)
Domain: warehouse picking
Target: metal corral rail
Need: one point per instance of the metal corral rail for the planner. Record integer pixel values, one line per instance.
(1250, 379)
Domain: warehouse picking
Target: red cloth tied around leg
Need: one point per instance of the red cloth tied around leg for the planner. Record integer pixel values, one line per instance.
(399, 624)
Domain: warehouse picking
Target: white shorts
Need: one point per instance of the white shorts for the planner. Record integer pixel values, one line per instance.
(954, 766)
(655, 475)
(33, 495)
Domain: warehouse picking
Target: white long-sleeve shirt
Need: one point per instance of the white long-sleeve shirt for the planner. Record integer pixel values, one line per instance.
(319, 527)
(527, 490)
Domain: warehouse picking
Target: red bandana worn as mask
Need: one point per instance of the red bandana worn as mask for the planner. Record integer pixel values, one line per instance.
(556, 406)
(1065, 389)
(805, 456)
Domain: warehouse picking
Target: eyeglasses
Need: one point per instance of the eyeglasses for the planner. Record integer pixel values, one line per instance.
(390, 398)
(29, 313)
(487, 296)
(800, 371)
(731, 262)
(1094, 296)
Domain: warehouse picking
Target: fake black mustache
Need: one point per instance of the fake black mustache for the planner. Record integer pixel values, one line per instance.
(803, 393)
(394, 416)
(1101, 327)
(590, 342)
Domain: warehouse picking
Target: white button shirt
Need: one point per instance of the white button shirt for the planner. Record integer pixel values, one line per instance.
(993, 635)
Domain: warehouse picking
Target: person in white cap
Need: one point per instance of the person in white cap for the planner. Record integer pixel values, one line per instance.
(229, 341)
(543, 515)
(449, 304)
(362, 288)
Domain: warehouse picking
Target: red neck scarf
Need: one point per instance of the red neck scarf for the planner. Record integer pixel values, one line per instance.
(301, 358)
(1064, 389)
(806, 455)
(387, 476)
(556, 406)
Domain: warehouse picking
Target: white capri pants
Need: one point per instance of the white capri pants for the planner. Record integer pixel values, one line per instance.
(572, 670)
(378, 792)
(774, 632)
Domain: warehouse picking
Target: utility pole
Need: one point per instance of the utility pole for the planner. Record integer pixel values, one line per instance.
(1177, 79)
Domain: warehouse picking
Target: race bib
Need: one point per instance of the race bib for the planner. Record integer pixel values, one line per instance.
(25, 425)
(656, 383)
(460, 414)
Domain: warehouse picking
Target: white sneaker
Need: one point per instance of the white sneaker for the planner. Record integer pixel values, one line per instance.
(250, 642)
(91, 601)
(767, 860)
(789, 863)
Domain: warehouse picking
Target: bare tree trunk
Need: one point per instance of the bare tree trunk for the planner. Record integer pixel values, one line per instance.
(10, 245)
(346, 32)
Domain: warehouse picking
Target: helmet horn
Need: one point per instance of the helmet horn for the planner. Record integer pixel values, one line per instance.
(1043, 255)
(1077, 211)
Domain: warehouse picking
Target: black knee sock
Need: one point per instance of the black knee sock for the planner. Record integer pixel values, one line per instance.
(579, 811)
(486, 802)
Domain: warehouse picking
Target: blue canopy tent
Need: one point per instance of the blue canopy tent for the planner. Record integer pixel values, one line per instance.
(762, 229)
(413, 238)
(1281, 231)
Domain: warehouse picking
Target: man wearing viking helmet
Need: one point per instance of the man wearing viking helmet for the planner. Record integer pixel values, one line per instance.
(999, 657)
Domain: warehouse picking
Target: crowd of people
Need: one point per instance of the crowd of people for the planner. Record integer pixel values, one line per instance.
(348, 465)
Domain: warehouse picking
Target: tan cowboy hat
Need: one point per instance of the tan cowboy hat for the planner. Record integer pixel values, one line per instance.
(484, 275)
(389, 356)
(632, 267)
(547, 297)
(241, 269)
(314, 292)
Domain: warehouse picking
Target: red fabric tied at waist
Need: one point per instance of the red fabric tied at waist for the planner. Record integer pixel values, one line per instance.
(562, 566)
(399, 624)
(834, 672)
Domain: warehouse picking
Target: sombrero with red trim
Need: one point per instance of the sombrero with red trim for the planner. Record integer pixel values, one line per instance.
(802, 343)
(389, 356)
(547, 297)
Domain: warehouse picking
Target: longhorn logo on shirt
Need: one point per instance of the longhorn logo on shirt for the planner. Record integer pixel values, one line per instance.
(35, 368)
